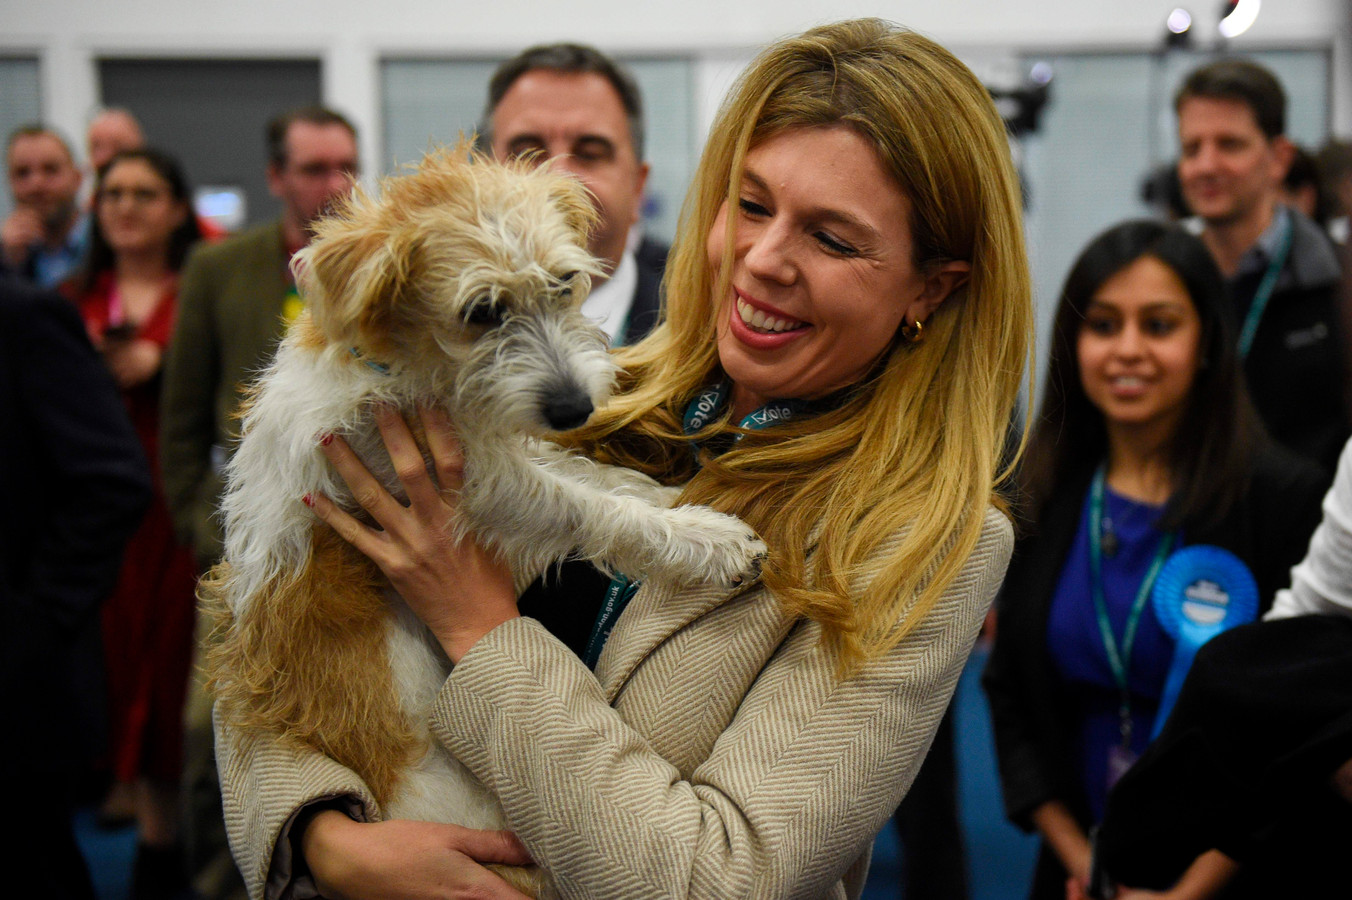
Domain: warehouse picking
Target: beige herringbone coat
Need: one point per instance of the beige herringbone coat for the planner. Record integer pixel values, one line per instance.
(713, 754)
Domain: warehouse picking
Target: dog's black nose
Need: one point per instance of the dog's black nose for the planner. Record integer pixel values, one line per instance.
(565, 410)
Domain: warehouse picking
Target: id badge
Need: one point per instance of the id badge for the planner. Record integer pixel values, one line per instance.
(1120, 759)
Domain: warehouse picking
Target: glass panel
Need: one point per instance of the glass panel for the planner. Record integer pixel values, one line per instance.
(20, 104)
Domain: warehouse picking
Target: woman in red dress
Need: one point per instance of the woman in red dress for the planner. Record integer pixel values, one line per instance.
(143, 227)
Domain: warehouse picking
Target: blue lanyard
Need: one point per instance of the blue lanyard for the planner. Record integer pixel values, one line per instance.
(702, 410)
(1265, 289)
(1119, 656)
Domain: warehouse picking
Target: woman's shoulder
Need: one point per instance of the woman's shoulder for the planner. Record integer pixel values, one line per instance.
(997, 530)
(985, 567)
(995, 540)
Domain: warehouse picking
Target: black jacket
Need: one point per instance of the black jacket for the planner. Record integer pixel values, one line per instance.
(75, 484)
(1269, 529)
(646, 310)
(1295, 370)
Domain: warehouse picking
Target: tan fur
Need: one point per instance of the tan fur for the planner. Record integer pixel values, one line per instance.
(308, 659)
(372, 262)
(310, 664)
(457, 285)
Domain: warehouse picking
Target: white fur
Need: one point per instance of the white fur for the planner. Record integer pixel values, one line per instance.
(534, 501)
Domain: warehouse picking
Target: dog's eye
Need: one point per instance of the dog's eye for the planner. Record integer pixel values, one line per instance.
(483, 311)
(566, 280)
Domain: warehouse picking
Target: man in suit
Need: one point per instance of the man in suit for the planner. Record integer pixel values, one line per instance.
(235, 301)
(75, 484)
(572, 104)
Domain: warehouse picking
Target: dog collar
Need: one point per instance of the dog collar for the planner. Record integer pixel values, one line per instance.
(379, 368)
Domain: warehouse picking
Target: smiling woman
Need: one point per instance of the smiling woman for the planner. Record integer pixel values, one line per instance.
(730, 741)
(822, 232)
(1147, 441)
(1139, 349)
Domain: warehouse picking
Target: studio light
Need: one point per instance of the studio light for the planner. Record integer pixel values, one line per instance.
(1178, 30)
(1238, 16)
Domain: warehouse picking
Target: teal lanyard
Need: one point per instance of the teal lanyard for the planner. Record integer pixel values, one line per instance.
(618, 595)
(1265, 289)
(702, 410)
(709, 402)
(1119, 657)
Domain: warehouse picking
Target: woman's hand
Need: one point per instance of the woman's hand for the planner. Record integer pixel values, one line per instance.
(405, 860)
(457, 588)
(134, 361)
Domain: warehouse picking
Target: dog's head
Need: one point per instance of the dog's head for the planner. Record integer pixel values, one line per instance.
(461, 266)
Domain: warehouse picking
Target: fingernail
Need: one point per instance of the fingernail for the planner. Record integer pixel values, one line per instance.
(326, 438)
(308, 500)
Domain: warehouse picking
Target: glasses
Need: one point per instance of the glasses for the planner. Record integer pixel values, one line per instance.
(138, 196)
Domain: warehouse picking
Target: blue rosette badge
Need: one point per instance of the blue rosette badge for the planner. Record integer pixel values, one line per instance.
(1201, 591)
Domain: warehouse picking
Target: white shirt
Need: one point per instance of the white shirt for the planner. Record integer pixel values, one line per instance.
(1322, 582)
(608, 305)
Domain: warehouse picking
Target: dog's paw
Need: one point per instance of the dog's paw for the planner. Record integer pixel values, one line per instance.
(719, 549)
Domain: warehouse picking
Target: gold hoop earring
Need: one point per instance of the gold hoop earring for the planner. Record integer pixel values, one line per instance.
(913, 333)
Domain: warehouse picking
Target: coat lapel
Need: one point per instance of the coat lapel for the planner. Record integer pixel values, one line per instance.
(655, 614)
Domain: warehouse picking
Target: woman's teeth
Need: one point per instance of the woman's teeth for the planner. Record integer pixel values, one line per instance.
(759, 321)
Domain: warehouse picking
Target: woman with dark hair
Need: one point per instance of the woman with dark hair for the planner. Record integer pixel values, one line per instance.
(1147, 442)
(126, 291)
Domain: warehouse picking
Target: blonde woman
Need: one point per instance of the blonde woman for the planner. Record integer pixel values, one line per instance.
(851, 254)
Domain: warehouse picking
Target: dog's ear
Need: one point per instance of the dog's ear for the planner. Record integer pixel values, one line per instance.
(352, 276)
(578, 210)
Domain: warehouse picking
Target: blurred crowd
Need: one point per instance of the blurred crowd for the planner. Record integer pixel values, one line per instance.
(1196, 398)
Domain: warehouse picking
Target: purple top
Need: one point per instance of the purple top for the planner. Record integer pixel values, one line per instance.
(1076, 646)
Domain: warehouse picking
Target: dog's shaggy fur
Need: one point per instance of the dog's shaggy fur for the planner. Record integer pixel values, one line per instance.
(457, 285)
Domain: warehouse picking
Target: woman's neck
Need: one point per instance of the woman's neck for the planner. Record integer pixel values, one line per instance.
(743, 403)
(1138, 465)
(141, 267)
(140, 280)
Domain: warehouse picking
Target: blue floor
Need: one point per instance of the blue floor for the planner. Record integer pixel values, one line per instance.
(109, 852)
(999, 857)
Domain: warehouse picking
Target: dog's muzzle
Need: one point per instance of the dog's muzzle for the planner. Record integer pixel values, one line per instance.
(568, 408)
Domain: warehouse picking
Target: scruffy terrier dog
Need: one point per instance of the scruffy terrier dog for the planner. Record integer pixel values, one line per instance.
(457, 285)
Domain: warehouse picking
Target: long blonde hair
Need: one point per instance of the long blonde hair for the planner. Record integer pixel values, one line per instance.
(916, 444)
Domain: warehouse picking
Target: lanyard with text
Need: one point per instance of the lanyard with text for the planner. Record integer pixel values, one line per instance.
(702, 410)
(1265, 288)
(1119, 658)
(709, 402)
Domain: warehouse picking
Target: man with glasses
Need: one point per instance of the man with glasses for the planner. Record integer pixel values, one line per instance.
(235, 301)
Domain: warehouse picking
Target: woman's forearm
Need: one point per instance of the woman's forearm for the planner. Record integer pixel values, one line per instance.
(1065, 836)
(1208, 874)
